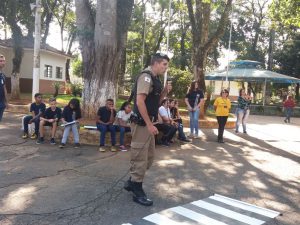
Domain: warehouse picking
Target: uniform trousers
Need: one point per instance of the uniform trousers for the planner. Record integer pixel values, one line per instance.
(142, 151)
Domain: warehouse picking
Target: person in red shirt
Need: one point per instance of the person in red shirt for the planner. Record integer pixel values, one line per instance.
(288, 105)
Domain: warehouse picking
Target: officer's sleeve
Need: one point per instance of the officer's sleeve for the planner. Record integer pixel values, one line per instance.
(144, 84)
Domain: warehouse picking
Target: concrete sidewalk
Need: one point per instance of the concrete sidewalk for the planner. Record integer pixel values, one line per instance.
(41, 184)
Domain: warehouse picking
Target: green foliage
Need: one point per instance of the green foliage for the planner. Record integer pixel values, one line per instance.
(180, 82)
(56, 86)
(77, 67)
(286, 12)
(76, 89)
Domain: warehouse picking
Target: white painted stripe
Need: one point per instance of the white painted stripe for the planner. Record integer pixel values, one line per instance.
(228, 213)
(162, 220)
(126, 224)
(196, 216)
(245, 206)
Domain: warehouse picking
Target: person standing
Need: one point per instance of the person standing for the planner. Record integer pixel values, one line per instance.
(242, 110)
(222, 106)
(193, 100)
(3, 91)
(288, 105)
(148, 94)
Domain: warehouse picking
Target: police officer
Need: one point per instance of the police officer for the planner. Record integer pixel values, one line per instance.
(3, 91)
(148, 94)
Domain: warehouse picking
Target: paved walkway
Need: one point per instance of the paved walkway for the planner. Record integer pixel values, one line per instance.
(41, 184)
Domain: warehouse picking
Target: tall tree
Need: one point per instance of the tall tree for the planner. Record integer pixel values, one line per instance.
(101, 29)
(17, 14)
(200, 17)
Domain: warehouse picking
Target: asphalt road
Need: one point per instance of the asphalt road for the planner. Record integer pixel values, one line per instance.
(43, 185)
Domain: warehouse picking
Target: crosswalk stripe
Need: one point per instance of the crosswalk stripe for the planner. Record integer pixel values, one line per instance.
(214, 210)
(245, 206)
(229, 213)
(196, 216)
(162, 220)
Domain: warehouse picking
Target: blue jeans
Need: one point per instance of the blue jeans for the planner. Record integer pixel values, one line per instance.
(36, 122)
(194, 119)
(241, 117)
(103, 128)
(123, 130)
(288, 113)
(67, 129)
(181, 134)
(2, 108)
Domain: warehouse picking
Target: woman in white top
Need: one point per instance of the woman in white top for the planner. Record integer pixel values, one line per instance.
(122, 122)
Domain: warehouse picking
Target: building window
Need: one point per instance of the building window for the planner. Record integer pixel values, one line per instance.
(48, 71)
(59, 71)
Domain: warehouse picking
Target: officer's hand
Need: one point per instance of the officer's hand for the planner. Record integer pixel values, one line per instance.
(152, 129)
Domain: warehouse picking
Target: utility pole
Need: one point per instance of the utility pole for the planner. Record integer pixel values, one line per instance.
(37, 46)
(168, 38)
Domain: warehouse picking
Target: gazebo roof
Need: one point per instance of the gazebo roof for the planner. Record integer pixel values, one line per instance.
(246, 70)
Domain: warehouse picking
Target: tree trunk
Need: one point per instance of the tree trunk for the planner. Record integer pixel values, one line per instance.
(17, 61)
(122, 71)
(101, 40)
(202, 43)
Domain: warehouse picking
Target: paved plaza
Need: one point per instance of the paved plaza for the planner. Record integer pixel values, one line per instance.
(45, 185)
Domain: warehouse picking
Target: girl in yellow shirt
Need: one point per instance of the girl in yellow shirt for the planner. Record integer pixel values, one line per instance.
(222, 107)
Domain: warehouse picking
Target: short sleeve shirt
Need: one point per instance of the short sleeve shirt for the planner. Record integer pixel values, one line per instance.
(144, 84)
(2, 86)
(124, 116)
(70, 115)
(164, 112)
(37, 108)
(222, 106)
(104, 114)
(50, 114)
(193, 96)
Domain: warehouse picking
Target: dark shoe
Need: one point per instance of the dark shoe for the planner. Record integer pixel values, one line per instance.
(139, 195)
(165, 143)
(245, 132)
(184, 139)
(62, 145)
(128, 185)
(236, 131)
(76, 145)
(52, 141)
(221, 141)
(40, 141)
(285, 121)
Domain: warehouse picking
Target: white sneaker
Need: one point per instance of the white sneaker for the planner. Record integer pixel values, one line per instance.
(196, 136)
(191, 136)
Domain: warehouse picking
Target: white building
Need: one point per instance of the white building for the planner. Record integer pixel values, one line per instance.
(52, 66)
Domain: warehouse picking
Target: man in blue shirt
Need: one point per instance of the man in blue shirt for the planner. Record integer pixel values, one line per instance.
(3, 91)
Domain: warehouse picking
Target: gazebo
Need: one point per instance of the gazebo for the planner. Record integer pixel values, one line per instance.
(249, 71)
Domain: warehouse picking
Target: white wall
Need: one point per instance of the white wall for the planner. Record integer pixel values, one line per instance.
(46, 58)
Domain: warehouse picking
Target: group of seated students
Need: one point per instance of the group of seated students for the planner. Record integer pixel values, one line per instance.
(108, 120)
(170, 122)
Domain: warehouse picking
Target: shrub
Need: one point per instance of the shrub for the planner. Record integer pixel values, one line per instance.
(56, 86)
(180, 82)
(76, 89)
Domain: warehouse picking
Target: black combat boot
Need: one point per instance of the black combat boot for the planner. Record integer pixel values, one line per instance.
(139, 195)
(128, 185)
